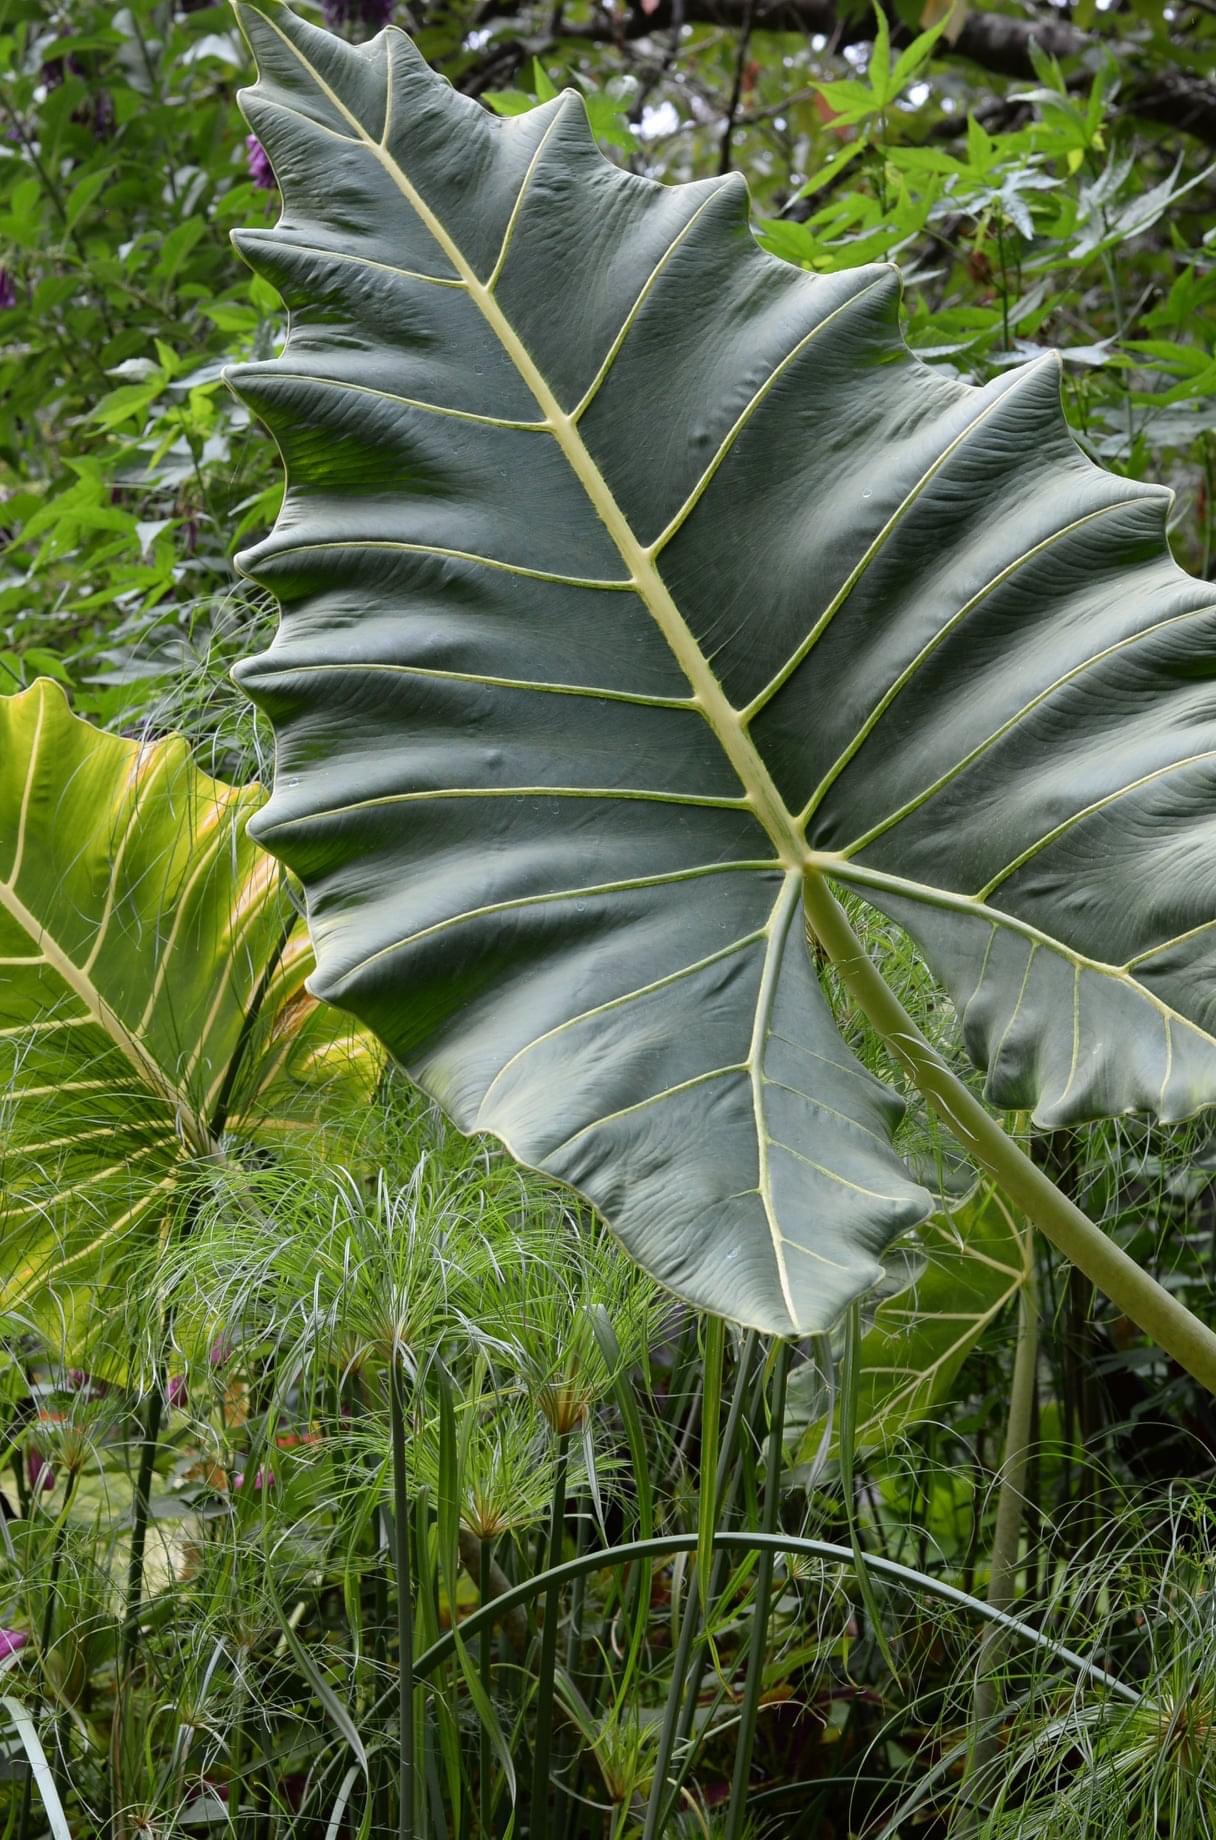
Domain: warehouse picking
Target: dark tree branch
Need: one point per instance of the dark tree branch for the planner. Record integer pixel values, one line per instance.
(1175, 99)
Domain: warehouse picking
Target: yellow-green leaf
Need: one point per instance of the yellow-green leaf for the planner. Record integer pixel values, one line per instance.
(152, 1001)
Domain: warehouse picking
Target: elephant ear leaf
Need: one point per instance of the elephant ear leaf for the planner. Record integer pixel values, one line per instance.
(973, 1261)
(633, 580)
(152, 1001)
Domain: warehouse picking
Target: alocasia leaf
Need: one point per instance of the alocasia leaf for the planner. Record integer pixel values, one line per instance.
(632, 578)
(975, 1261)
(152, 1001)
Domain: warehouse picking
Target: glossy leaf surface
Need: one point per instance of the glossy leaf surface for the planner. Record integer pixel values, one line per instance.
(629, 576)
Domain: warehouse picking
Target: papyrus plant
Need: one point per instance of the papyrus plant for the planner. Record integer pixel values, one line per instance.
(641, 593)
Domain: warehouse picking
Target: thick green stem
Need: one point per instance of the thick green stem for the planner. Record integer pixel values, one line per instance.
(1007, 1538)
(1006, 1544)
(847, 1441)
(1170, 1324)
(47, 1632)
(726, 1488)
(566, 1761)
(548, 1650)
(485, 1806)
(405, 1606)
(141, 1510)
(686, 1679)
(758, 1638)
(736, 1458)
(738, 1539)
(236, 1764)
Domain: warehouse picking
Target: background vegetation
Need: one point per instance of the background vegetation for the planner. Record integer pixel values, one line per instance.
(1044, 175)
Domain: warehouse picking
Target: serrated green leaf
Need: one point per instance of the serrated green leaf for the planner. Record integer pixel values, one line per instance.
(915, 57)
(848, 99)
(981, 148)
(542, 85)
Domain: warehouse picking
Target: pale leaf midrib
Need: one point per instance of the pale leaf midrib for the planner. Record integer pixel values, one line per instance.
(345, 387)
(548, 896)
(592, 692)
(719, 713)
(30, 1279)
(591, 583)
(618, 1002)
(861, 877)
(1088, 811)
(618, 794)
(85, 988)
(805, 647)
(905, 1396)
(908, 675)
(960, 766)
(782, 826)
(774, 949)
(44, 1204)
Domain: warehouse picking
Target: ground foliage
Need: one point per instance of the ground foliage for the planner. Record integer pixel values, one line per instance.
(1042, 175)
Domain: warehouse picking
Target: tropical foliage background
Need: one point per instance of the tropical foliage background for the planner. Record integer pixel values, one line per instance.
(212, 1269)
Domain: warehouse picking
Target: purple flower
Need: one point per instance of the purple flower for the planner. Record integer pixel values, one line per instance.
(220, 1351)
(8, 293)
(103, 115)
(262, 1479)
(260, 170)
(39, 1473)
(12, 1641)
(372, 15)
(176, 1392)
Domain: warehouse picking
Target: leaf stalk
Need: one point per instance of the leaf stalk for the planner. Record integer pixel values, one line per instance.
(1132, 1290)
(548, 1649)
(405, 1608)
(1006, 1541)
(758, 1644)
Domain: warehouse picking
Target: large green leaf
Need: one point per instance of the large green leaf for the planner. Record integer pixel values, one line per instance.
(152, 1007)
(629, 576)
(975, 1261)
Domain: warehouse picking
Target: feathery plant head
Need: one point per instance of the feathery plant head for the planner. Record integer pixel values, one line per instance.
(71, 1425)
(544, 1319)
(196, 644)
(623, 1744)
(505, 1466)
(348, 1271)
(1088, 1766)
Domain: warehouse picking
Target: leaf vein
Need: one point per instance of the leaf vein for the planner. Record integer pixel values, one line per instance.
(1087, 811)
(629, 996)
(671, 877)
(829, 613)
(667, 1092)
(457, 555)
